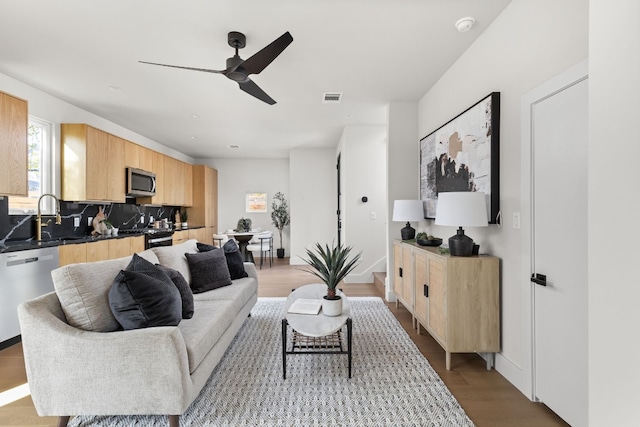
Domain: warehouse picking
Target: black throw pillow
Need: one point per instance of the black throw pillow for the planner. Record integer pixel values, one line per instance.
(145, 299)
(141, 265)
(208, 270)
(235, 263)
(186, 295)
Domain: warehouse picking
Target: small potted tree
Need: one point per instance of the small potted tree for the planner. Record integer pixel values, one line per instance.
(331, 265)
(280, 217)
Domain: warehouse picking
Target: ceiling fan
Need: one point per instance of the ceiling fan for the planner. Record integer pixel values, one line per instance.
(239, 69)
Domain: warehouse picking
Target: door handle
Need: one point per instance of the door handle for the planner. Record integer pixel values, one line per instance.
(539, 279)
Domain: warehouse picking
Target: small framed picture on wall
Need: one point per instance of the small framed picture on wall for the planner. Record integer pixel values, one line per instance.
(256, 202)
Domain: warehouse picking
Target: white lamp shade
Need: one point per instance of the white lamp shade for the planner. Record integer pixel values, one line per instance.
(408, 210)
(462, 209)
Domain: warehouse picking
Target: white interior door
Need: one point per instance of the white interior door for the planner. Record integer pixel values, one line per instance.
(559, 223)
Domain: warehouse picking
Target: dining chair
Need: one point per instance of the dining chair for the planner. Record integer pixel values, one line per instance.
(262, 243)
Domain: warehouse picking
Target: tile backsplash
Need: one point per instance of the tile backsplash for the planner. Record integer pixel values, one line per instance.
(121, 215)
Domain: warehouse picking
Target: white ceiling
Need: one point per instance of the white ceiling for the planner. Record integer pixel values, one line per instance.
(373, 51)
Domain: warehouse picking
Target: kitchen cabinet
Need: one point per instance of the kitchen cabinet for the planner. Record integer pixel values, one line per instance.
(119, 248)
(180, 237)
(100, 250)
(202, 235)
(456, 299)
(72, 254)
(204, 208)
(177, 182)
(14, 121)
(97, 251)
(137, 156)
(92, 164)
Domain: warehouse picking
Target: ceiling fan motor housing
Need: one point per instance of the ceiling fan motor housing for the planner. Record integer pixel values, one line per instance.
(236, 39)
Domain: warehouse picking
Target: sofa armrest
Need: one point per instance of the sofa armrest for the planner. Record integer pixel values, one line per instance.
(251, 270)
(74, 372)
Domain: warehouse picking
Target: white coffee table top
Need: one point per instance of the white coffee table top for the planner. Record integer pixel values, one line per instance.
(317, 325)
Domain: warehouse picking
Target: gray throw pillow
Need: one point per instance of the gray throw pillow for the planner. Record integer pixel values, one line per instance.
(145, 299)
(208, 270)
(235, 263)
(141, 265)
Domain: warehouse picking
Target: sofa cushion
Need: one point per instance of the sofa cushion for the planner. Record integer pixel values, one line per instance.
(140, 264)
(235, 263)
(143, 299)
(208, 270)
(200, 333)
(239, 293)
(83, 293)
(173, 257)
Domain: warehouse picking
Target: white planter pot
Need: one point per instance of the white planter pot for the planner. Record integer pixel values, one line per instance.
(332, 307)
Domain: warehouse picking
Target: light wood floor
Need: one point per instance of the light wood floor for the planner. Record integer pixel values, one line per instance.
(486, 396)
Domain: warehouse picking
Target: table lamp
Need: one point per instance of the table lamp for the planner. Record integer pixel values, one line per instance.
(408, 210)
(461, 209)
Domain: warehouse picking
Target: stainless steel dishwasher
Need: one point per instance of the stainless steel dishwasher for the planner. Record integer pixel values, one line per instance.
(24, 275)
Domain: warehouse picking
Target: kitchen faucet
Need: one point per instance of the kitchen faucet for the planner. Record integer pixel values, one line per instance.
(39, 223)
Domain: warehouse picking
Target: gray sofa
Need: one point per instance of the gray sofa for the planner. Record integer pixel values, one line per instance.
(74, 368)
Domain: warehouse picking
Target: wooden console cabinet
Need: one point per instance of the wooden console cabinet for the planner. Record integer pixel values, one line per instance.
(456, 299)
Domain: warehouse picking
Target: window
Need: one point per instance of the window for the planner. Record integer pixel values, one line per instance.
(40, 174)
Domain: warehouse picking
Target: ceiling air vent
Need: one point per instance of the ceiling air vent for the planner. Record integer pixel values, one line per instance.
(332, 97)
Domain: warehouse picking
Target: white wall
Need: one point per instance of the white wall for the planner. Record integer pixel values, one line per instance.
(236, 178)
(614, 287)
(403, 171)
(313, 187)
(526, 45)
(363, 166)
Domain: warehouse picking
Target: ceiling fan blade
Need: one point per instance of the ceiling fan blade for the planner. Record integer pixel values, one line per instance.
(251, 88)
(186, 68)
(261, 59)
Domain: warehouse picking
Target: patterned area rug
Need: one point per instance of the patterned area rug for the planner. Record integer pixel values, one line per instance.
(392, 383)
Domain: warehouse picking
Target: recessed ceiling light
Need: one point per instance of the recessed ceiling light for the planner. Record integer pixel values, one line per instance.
(233, 146)
(115, 89)
(194, 137)
(348, 116)
(464, 24)
(195, 116)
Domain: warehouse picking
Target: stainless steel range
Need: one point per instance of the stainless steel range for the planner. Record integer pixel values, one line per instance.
(153, 237)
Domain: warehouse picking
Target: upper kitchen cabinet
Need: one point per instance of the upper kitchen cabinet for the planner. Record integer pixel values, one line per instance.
(177, 183)
(204, 210)
(92, 164)
(137, 156)
(14, 118)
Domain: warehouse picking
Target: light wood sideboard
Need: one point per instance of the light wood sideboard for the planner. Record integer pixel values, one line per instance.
(456, 299)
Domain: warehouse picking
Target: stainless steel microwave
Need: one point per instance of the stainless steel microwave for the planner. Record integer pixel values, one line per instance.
(140, 183)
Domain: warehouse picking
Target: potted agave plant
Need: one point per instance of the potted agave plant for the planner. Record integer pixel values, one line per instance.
(331, 265)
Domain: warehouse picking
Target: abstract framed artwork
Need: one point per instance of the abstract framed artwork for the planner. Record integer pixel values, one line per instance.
(256, 202)
(464, 155)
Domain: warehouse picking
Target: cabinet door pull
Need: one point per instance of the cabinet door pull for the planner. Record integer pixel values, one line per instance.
(400, 271)
(425, 290)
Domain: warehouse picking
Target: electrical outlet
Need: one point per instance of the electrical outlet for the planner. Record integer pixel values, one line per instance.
(76, 221)
(90, 220)
(516, 220)
(141, 219)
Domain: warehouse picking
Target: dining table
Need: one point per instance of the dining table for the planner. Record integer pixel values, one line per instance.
(243, 238)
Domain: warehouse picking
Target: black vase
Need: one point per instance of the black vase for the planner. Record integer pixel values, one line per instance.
(280, 252)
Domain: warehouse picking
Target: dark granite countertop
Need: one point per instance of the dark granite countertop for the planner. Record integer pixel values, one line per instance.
(23, 245)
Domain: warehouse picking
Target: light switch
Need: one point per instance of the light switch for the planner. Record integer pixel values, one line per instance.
(372, 215)
(90, 220)
(76, 221)
(516, 220)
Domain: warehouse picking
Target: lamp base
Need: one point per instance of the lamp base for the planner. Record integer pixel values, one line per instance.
(408, 232)
(460, 244)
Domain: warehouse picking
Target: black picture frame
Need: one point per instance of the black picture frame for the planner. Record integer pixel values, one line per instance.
(464, 155)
